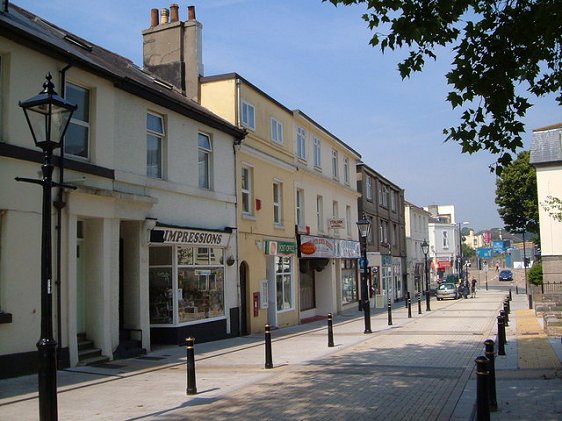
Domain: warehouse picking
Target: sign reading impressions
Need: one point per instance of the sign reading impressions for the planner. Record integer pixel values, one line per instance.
(189, 237)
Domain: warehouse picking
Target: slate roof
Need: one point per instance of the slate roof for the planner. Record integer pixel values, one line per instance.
(32, 31)
(546, 148)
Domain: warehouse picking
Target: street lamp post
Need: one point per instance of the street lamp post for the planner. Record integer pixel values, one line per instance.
(47, 115)
(460, 257)
(425, 250)
(364, 226)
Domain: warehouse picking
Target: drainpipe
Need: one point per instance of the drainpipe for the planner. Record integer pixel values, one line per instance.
(59, 206)
(237, 110)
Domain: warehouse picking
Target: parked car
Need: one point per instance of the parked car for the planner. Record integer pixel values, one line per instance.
(506, 275)
(447, 290)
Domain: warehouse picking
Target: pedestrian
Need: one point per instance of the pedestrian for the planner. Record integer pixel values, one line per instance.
(465, 288)
(497, 266)
(473, 288)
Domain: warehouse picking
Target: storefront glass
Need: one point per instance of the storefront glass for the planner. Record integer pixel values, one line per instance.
(199, 284)
(284, 282)
(349, 281)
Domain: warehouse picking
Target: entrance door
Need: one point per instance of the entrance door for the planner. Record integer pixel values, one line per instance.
(244, 323)
(80, 281)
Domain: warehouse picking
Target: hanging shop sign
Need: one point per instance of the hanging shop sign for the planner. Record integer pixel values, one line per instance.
(189, 237)
(280, 248)
(330, 248)
(336, 223)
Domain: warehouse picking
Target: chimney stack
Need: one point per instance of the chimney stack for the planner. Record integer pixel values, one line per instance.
(173, 49)
(174, 14)
(153, 18)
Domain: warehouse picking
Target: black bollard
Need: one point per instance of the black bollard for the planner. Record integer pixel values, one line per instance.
(501, 336)
(491, 355)
(516, 290)
(409, 306)
(510, 297)
(330, 331)
(389, 308)
(505, 316)
(190, 352)
(268, 358)
(482, 395)
(419, 303)
(508, 305)
(530, 302)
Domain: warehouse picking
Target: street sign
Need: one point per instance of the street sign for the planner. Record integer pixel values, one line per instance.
(363, 262)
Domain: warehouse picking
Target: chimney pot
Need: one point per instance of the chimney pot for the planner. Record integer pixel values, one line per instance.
(153, 18)
(164, 16)
(190, 12)
(174, 14)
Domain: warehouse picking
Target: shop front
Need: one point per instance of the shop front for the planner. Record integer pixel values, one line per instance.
(328, 275)
(191, 288)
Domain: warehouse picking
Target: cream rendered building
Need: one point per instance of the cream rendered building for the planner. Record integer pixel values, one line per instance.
(147, 239)
(546, 157)
(326, 212)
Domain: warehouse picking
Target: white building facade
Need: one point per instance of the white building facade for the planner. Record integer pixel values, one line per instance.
(144, 247)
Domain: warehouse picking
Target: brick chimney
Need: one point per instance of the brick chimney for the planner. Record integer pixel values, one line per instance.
(172, 49)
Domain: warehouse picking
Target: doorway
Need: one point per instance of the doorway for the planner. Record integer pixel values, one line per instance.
(244, 323)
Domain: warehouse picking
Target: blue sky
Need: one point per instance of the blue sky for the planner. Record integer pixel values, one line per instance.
(315, 57)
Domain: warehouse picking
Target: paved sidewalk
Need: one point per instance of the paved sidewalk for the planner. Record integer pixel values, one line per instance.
(420, 368)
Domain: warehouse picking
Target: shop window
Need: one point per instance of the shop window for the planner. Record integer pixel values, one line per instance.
(160, 285)
(349, 281)
(284, 282)
(198, 288)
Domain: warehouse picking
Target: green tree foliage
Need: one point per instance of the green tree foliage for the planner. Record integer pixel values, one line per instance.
(467, 251)
(535, 274)
(504, 53)
(516, 196)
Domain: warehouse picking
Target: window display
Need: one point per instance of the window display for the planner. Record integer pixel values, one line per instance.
(349, 281)
(194, 275)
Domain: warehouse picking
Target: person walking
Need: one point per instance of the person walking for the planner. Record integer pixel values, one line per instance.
(473, 288)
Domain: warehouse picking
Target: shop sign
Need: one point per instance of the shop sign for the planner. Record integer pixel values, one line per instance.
(308, 248)
(336, 223)
(280, 248)
(348, 249)
(189, 237)
(329, 248)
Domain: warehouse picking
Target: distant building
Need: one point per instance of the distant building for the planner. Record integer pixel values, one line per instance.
(546, 157)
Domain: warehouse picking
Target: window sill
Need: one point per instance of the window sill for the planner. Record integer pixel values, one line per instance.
(5, 317)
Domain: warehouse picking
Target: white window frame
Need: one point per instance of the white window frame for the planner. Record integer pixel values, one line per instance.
(160, 136)
(247, 115)
(369, 188)
(320, 213)
(299, 199)
(81, 123)
(283, 274)
(393, 200)
(346, 170)
(276, 130)
(277, 202)
(301, 143)
(348, 220)
(335, 164)
(206, 179)
(317, 152)
(445, 239)
(247, 190)
(335, 208)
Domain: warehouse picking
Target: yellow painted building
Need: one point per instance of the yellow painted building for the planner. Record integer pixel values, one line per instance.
(296, 187)
(268, 261)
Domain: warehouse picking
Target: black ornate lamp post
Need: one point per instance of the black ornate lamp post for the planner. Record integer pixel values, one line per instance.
(47, 115)
(364, 227)
(425, 250)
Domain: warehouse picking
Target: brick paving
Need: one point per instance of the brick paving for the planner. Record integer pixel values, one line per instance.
(420, 368)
